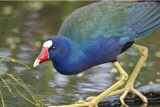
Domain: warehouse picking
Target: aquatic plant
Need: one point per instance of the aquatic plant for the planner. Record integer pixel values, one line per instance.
(15, 79)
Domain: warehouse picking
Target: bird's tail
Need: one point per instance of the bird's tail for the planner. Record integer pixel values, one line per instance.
(145, 18)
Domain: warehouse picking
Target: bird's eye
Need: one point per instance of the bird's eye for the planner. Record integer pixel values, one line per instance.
(53, 49)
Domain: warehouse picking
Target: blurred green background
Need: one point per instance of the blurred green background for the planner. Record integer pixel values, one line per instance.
(23, 28)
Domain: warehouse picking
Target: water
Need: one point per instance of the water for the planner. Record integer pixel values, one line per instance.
(23, 28)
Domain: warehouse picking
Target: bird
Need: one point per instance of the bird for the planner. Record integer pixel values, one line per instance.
(98, 33)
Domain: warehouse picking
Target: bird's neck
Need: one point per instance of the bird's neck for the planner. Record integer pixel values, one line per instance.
(72, 56)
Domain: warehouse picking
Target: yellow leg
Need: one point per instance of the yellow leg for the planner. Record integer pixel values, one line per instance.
(123, 78)
(96, 100)
(129, 86)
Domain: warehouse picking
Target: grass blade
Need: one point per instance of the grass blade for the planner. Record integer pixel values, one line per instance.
(14, 60)
(23, 95)
(10, 90)
(2, 99)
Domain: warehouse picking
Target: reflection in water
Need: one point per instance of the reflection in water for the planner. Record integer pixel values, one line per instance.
(25, 25)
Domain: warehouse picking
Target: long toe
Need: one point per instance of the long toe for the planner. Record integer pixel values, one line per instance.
(127, 90)
(123, 96)
(145, 101)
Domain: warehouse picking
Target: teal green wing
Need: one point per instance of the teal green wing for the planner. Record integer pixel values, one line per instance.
(127, 20)
(97, 19)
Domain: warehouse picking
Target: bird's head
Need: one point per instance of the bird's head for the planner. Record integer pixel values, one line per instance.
(55, 48)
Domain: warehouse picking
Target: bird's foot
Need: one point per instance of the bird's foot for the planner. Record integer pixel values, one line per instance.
(128, 89)
(125, 91)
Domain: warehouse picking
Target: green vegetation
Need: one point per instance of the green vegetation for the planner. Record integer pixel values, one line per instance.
(16, 79)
